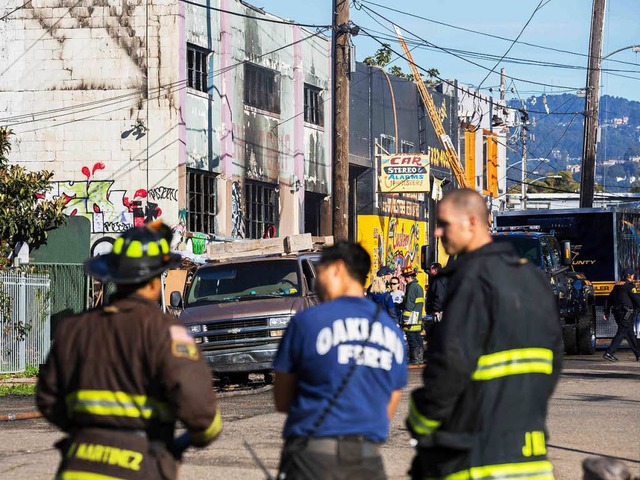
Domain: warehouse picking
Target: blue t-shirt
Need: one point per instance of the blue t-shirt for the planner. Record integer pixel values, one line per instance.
(319, 346)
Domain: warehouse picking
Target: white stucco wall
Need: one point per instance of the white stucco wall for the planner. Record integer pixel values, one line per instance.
(73, 84)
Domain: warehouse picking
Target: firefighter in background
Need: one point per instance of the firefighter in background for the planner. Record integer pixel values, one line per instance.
(495, 360)
(412, 315)
(118, 377)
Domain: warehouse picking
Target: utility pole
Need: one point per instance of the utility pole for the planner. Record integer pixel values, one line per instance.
(592, 98)
(524, 134)
(340, 79)
(503, 77)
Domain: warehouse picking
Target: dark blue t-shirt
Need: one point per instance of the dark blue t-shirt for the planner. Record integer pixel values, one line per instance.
(319, 346)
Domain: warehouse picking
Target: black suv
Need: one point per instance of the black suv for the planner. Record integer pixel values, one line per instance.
(573, 292)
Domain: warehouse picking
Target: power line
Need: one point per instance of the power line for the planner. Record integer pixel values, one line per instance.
(262, 19)
(452, 84)
(512, 43)
(15, 10)
(75, 109)
(450, 52)
(477, 32)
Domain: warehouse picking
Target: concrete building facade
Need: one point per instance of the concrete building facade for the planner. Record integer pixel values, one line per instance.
(203, 115)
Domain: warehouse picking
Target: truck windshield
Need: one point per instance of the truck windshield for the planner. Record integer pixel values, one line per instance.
(228, 283)
(526, 247)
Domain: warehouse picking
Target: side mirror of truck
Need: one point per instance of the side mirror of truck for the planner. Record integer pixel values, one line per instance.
(425, 255)
(175, 299)
(566, 253)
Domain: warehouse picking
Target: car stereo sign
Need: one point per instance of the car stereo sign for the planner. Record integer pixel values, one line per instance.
(404, 173)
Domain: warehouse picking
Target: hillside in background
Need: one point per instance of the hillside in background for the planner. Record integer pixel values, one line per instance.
(555, 142)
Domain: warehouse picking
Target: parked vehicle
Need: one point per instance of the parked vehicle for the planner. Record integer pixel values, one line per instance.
(573, 292)
(605, 241)
(237, 310)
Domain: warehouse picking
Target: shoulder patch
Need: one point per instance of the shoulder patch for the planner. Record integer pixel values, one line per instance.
(182, 344)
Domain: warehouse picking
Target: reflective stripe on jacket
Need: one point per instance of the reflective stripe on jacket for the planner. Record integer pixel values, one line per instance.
(495, 361)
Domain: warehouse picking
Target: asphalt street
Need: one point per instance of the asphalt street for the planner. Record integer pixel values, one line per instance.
(595, 411)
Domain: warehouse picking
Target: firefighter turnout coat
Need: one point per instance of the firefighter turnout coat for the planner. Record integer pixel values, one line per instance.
(495, 362)
(412, 308)
(116, 380)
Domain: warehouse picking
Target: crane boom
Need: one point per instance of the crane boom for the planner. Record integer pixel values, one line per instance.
(452, 155)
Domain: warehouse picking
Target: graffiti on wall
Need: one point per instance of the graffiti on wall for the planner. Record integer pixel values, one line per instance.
(392, 241)
(109, 210)
(237, 213)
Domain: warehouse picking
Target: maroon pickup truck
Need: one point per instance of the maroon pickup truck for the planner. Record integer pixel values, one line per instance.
(237, 310)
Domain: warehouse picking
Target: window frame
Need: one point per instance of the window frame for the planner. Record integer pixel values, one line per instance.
(198, 218)
(199, 57)
(313, 105)
(258, 213)
(261, 88)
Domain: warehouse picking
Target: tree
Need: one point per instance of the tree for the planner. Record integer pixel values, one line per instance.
(382, 57)
(23, 215)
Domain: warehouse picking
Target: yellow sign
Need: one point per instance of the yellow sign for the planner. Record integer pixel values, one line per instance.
(394, 242)
(404, 173)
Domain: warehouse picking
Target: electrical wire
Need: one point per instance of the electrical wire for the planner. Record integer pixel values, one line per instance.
(540, 5)
(269, 20)
(452, 84)
(477, 32)
(5, 16)
(125, 99)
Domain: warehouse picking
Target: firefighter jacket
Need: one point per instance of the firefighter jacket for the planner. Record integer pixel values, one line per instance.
(622, 299)
(494, 365)
(412, 310)
(436, 294)
(116, 380)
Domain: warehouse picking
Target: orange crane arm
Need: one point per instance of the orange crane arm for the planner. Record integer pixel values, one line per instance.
(452, 155)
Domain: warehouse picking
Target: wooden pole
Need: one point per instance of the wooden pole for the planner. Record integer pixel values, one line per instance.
(340, 79)
(592, 97)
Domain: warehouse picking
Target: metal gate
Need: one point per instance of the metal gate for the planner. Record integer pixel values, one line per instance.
(24, 319)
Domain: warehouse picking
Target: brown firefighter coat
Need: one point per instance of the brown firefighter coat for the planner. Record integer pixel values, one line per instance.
(116, 380)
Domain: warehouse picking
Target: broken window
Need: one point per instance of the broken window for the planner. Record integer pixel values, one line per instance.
(201, 201)
(312, 105)
(197, 68)
(261, 88)
(262, 209)
(388, 143)
(407, 147)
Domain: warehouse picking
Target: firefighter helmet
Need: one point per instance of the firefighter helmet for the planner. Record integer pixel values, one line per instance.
(139, 254)
(409, 271)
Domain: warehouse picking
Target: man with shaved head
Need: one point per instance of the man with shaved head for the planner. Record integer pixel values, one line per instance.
(495, 360)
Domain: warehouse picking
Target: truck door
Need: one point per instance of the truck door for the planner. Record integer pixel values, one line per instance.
(551, 263)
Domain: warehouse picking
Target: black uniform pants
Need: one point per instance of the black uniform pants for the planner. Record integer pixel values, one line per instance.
(332, 458)
(624, 320)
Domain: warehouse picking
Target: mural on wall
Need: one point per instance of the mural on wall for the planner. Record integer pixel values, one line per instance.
(108, 210)
(392, 241)
(237, 213)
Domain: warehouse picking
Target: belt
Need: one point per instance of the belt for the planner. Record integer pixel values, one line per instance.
(329, 445)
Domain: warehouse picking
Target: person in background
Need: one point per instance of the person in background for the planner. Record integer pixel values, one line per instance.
(397, 295)
(339, 372)
(434, 304)
(383, 272)
(380, 295)
(412, 315)
(624, 302)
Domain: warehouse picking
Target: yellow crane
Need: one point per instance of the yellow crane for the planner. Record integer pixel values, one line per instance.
(452, 154)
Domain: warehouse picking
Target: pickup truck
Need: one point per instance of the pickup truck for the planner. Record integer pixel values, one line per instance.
(573, 292)
(237, 310)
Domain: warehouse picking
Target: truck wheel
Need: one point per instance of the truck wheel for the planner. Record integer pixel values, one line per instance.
(570, 339)
(586, 334)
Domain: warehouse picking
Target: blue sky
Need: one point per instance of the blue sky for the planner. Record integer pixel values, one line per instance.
(560, 24)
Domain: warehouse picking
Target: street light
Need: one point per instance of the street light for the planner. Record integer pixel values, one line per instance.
(634, 48)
